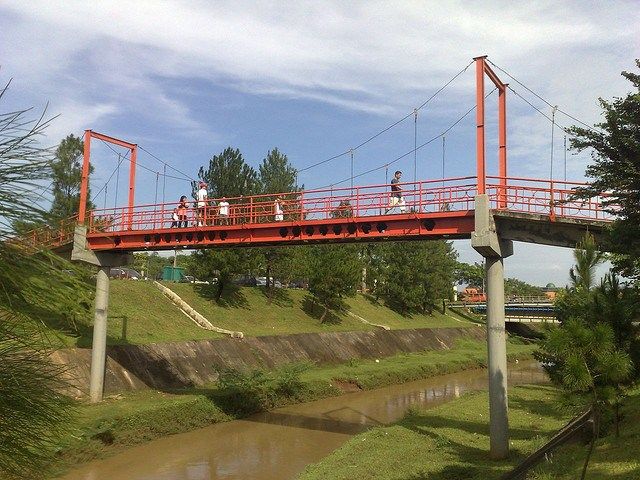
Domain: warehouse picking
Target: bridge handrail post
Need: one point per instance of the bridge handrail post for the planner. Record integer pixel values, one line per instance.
(357, 202)
(301, 204)
(552, 210)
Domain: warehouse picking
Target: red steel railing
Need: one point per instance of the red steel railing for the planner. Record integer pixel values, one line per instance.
(451, 195)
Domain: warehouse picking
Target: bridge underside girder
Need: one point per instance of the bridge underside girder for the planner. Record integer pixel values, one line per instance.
(540, 229)
(450, 225)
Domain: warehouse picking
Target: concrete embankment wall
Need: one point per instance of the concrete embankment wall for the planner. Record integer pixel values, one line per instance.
(184, 364)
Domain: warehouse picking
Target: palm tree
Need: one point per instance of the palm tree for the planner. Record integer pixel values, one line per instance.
(587, 257)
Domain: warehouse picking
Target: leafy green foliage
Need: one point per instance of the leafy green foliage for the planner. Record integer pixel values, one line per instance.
(244, 393)
(334, 272)
(66, 171)
(229, 176)
(615, 146)
(588, 355)
(23, 163)
(276, 174)
(587, 257)
(515, 287)
(417, 274)
(33, 412)
(470, 274)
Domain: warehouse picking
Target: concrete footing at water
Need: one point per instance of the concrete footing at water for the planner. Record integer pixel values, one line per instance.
(187, 364)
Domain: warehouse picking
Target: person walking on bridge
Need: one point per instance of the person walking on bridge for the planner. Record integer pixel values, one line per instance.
(396, 194)
(201, 198)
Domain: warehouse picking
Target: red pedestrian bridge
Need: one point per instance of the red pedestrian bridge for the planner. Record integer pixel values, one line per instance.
(431, 209)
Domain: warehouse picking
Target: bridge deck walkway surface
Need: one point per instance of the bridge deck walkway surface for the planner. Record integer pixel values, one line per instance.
(428, 209)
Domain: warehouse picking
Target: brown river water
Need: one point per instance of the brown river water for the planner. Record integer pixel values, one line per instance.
(277, 445)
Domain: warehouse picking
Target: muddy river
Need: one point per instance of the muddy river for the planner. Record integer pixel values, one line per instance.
(277, 445)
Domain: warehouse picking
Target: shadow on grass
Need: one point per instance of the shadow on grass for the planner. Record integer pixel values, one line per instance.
(232, 296)
(314, 310)
(277, 296)
(381, 303)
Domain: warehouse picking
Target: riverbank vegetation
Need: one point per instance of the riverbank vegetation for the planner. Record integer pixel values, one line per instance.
(129, 419)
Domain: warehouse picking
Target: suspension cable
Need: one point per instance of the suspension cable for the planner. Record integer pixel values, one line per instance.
(386, 129)
(565, 160)
(404, 155)
(553, 128)
(444, 137)
(115, 201)
(543, 100)
(415, 145)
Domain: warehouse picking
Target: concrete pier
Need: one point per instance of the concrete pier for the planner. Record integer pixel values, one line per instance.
(486, 241)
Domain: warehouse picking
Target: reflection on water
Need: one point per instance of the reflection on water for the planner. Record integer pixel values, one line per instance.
(279, 444)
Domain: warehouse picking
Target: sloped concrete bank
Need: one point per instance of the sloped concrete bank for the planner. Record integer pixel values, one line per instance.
(187, 364)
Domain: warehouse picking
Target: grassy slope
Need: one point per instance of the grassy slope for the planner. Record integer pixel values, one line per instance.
(150, 317)
(126, 420)
(445, 443)
(613, 459)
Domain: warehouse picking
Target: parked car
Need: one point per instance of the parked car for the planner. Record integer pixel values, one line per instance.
(262, 282)
(245, 281)
(123, 272)
(298, 284)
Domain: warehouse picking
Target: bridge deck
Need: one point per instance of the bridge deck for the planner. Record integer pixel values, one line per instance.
(429, 209)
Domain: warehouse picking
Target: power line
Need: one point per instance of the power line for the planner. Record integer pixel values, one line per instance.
(386, 129)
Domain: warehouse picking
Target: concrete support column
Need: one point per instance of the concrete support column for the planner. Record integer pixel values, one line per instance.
(497, 354)
(487, 242)
(99, 345)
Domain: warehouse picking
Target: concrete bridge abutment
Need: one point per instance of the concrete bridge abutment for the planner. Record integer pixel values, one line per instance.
(486, 240)
(104, 261)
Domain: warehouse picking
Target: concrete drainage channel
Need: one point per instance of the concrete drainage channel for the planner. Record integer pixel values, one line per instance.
(191, 312)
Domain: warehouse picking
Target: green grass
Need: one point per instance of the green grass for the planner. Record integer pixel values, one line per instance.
(613, 458)
(125, 420)
(448, 442)
(244, 309)
(139, 314)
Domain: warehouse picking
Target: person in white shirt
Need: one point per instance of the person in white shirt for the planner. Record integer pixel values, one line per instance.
(201, 197)
(278, 210)
(223, 211)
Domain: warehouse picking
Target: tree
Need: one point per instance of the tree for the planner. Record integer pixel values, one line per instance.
(276, 174)
(470, 274)
(587, 259)
(615, 145)
(334, 272)
(229, 176)
(67, 176)
(417, 275)
(586, 364)
(223, 265)
(33, 412)
(515, 287)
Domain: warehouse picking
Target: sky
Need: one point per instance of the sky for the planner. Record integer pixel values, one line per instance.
(187, 79)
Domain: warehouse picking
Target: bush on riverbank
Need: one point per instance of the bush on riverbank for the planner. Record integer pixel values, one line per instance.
(123, 421)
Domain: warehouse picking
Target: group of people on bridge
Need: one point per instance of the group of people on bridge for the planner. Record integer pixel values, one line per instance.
(207, 211)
